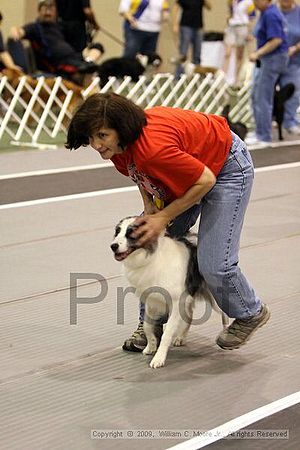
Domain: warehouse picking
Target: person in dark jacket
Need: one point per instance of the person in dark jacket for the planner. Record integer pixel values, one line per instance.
(78, 22)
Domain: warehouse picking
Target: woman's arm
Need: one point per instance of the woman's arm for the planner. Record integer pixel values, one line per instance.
(269, 46)
(149, 206)
(8, 62)
(150, 226)
(17, 33)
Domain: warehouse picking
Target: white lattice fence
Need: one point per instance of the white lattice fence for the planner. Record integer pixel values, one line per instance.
(31, 115)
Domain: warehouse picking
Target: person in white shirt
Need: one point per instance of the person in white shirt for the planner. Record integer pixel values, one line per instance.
(142, 25)
(237, 33)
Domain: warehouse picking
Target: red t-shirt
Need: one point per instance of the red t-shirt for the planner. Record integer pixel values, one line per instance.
(174, 147)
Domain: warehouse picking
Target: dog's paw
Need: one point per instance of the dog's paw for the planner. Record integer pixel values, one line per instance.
(178, 341)
(157, 362)
(149, 350)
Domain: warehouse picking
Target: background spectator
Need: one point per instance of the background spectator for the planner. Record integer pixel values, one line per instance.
(272, 58)
(52, 52)
(143, 20)
(237, 33)
(78, 22)
(291, 12)
(188, 22)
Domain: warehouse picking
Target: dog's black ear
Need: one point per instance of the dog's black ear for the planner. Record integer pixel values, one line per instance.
(225, 112)
(238, 128)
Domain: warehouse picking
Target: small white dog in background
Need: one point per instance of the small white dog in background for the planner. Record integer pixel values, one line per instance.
(166, 278)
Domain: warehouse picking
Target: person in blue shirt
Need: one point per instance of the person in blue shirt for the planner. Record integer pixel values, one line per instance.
(271, 58)
(291, 12)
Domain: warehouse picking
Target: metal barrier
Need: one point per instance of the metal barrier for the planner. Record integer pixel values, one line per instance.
(36, 116)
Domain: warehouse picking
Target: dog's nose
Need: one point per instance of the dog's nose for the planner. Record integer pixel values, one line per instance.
(114, 247)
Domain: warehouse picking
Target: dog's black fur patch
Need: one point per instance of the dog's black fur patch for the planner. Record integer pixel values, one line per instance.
(194, 280)
(281, 95)
(238, 128)
(132, 240)
(123, 66)
(119, 68)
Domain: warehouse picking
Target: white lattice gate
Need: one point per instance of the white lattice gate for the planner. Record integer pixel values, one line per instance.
(37, 116)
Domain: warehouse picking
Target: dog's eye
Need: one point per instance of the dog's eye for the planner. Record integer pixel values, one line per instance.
(129, 231)
(117, 231)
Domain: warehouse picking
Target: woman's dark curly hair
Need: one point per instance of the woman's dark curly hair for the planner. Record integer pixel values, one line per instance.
(106, 111)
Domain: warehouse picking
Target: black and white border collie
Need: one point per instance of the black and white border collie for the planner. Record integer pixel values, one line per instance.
(166, 278)
(124, 66)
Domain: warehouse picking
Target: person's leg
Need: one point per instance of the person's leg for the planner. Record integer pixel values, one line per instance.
(241, 42)
(132, 45)
(292, 75)
(148, 42)
(239, 61)
(196, 41)
(221, 222)
(184, 42)
(19, 54)
(220, 228)
(126, 34)
(182, 223)
(254, 99)
(138, 341)
(229, 46)
(270, 70)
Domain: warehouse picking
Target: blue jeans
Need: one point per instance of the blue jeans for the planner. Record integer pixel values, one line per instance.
(138, 41)
(222, 212)
(265, 79)
(292, 75)
(189, 36)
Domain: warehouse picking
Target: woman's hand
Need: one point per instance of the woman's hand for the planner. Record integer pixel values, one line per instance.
(253, 57)
(294, 49)
(149, 228)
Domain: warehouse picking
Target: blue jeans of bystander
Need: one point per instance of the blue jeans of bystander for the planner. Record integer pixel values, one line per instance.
(292, 75)
(189, 36)
(138, 41)
(265, 79)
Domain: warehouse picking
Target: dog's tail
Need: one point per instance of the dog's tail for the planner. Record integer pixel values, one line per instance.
(209, 298)
(195, 284)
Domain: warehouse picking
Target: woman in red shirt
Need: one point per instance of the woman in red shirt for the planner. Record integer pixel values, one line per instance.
(192, 165)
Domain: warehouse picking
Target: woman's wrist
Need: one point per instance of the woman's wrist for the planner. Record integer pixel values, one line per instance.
(163, 215)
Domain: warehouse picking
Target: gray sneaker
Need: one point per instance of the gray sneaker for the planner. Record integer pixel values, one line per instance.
(294, 130)
(138, 341)
(240, 331)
